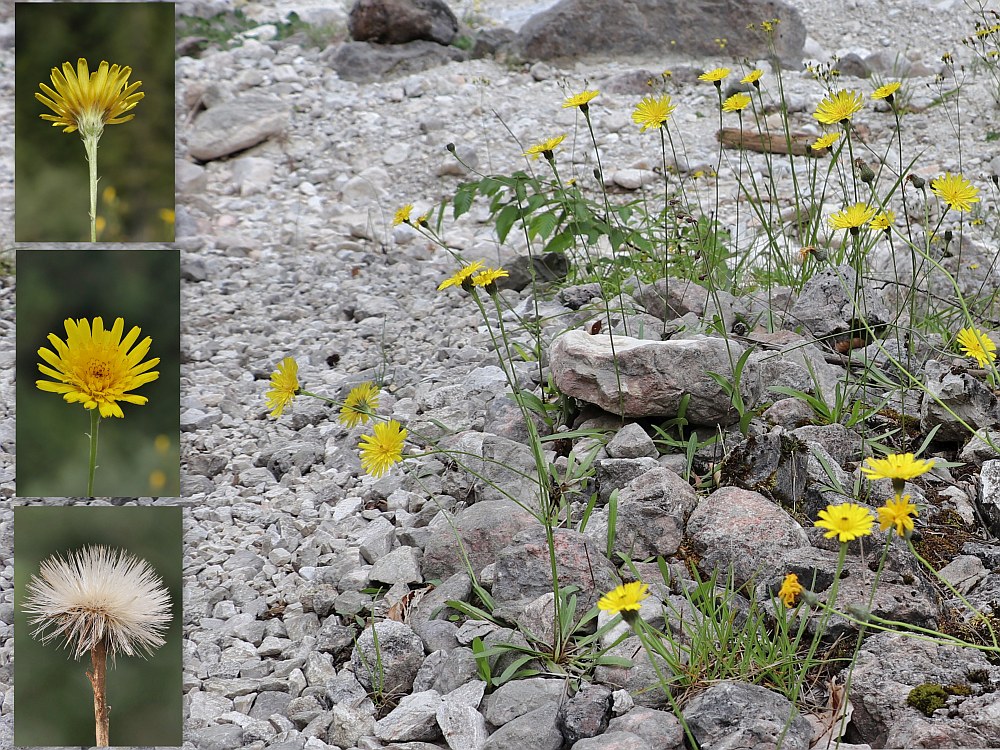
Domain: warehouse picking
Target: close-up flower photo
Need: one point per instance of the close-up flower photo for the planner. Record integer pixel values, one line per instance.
(98, 392)
(98, 644)
(94, 122)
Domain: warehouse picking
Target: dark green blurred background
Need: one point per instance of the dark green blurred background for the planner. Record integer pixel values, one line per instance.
(135, 158)
(135, 453)
(55, 704)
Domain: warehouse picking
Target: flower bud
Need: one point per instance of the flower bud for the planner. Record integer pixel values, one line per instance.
(865, 173)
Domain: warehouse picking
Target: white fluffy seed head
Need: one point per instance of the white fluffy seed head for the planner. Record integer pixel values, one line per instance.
(99, 594)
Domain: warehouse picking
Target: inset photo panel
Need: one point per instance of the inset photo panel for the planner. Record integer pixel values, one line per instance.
(94, 122)
(98, 626)
(98, 373)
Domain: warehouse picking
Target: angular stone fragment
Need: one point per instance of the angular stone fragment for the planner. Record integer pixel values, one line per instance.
(236, 125)
(963, 398)
(744, 531)
(835, 306)
(652, 512)
(638, 378)
(738, 714)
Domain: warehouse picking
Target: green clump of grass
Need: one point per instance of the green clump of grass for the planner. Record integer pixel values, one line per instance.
(223, 29)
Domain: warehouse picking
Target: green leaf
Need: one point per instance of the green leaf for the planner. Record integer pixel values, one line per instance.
(515, 670)
(543, 224)
(614, 661)
(560, 242)
(490, 185)
(463, 199)
(505, 220)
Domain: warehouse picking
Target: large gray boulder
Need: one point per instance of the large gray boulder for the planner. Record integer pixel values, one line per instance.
(237, 124)
(524, 569)
(690, 27)
(638, 378)
(391, 665)
(889, 666)
(652, 512)
(477, 533)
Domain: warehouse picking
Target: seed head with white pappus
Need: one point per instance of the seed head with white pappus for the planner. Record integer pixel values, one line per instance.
(99, 594)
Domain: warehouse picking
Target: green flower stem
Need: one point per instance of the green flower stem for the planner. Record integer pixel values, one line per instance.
(95, 423)
(90, 144)
(652, 645)
(824, 618)
(908, 630)
(607, 307)
(546, 506)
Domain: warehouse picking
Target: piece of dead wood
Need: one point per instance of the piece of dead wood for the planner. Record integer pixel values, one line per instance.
(830, 724)
(775, 143)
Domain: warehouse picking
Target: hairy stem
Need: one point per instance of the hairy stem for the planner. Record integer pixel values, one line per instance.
(95, 423)
(90, 144)
(98, 680)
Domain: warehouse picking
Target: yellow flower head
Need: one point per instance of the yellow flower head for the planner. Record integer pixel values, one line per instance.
(653, 112)
(790, 589)
(88, 101)
(899, 467)
(626, 598)
(360, 405)
(886, 91)
(284, 386)
(752, 77)
(461, 276)
(736, 103)
(897, 513)
(488, 278)
(825, 141)
(94, 366)
(846, 521)
(853, 217)
(839, 107)
(382, 449)
(714, 76)
(956, 191)
(883, 221)
(402, 215)
(976, 344)
(545, 148)
(581, 100)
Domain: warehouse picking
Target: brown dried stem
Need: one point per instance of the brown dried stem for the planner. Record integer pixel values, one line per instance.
(98, 681)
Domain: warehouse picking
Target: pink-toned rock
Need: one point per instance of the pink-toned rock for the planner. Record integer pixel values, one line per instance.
(744, 531)
(524, 572)
(652, 511)
(654, 376)
(483, 530)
